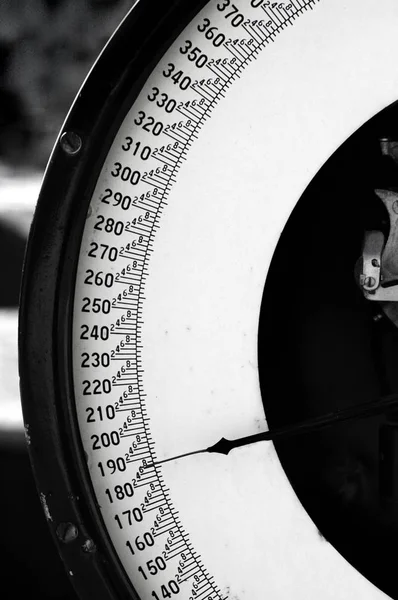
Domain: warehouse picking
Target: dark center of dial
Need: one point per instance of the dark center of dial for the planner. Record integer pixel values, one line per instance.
(323, 347)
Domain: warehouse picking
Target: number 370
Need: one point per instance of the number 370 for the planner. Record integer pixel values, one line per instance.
(236, 17)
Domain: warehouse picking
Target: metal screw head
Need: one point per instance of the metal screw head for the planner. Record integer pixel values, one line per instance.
(71, 143)
(89, 546)
(67, 532)
(369, 282)
(375, 263)
(384, 146)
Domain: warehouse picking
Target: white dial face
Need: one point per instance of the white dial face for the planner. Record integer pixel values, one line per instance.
(229, 129)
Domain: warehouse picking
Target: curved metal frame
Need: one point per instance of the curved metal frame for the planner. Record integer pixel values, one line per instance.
(45, 360)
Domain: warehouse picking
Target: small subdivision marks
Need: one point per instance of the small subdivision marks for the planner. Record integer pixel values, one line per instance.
(180, 135)
(189, 569)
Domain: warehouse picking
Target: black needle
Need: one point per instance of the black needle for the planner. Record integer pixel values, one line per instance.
(360, 411)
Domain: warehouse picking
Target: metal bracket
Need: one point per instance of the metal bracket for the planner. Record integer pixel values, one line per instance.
(369, 279)
(379, 277)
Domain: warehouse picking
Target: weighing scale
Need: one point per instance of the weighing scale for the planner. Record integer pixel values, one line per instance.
(208, 328)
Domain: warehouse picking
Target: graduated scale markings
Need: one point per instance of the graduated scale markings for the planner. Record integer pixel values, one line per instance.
(156, 508)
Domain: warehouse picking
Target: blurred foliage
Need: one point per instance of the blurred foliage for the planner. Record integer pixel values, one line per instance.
(46, 50)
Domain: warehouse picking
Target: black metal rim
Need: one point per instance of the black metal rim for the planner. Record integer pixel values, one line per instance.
(45, 352)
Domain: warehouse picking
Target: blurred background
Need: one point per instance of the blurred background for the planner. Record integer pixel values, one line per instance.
(46, 50)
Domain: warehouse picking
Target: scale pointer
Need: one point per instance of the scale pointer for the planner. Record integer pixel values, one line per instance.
(360, 411)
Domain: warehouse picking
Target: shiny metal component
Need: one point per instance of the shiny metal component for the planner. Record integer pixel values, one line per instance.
(67, 532)
(389, 148)
(71, 143)
(390, 254)
(369, 279)
(379, 277)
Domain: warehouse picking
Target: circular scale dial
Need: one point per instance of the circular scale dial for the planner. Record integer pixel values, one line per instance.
(182, 309)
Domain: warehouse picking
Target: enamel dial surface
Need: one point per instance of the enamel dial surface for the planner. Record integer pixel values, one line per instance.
(229, 128)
